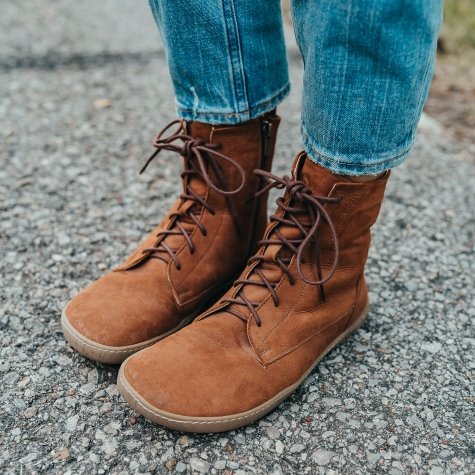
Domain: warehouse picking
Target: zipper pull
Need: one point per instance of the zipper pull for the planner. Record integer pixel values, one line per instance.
(266, 133)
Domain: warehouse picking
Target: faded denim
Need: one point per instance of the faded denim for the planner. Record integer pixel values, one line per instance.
(368, 67)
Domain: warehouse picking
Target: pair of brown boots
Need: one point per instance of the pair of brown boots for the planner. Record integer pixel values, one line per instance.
(301, 292)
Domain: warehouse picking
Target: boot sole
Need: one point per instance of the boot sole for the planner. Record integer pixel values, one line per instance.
(110, 354)
(221, 423)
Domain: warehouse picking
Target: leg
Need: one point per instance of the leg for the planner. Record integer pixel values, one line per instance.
(367, 71)
(227, 58)
(368, 67)
(229, 68)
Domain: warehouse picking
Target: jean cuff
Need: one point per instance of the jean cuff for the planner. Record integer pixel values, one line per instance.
(216, 117)
(354, 164)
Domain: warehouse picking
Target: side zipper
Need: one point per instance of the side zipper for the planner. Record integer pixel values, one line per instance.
(266, 130)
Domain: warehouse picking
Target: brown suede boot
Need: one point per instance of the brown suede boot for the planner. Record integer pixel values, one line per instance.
(300, 295)
(193, 256)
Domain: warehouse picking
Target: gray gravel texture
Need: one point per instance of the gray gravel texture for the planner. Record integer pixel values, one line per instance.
(84, 88)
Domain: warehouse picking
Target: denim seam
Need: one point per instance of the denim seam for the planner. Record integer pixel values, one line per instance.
(277, 97)
(339, 162)
(234, 42)
(297, 33)
(425, 83)
(422, 93)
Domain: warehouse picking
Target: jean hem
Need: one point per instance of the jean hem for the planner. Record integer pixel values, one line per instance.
(354, 164)
(217, 117)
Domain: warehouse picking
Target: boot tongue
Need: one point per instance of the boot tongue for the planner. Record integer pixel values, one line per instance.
(269, 267)
(198, 130)
(194, 182)
(320, 181)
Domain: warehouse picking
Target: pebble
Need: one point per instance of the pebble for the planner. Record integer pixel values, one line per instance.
(112, 428)
(296, 448)
(322, 457)
(392, 398)
(180, 467)
(168, 454)
(71, 423)
(331, 402)
(413, 420)
(88, 388)
(432, 347)
(28, 458)
(240, 439)
(170, 464)
(199, 465)
(105, 408)
(273, 432)
(11, 378)
(94, 458)
(109, 446)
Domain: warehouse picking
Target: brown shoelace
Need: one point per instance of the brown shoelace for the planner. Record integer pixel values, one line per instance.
(199, 157)
(301, 202)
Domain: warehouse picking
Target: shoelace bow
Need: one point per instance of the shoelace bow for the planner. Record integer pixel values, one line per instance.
(313, 207)
(199, 156)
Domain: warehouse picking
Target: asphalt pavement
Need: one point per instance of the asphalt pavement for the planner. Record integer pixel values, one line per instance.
(83, 90)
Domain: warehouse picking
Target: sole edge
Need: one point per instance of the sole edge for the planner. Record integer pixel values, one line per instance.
(221, 423)
(108, 354)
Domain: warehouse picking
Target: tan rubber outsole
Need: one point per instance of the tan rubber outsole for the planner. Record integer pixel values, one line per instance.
(109, 354)
(221, 423)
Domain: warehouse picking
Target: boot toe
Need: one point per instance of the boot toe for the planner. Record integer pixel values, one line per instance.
(180, 378)
(110, 320)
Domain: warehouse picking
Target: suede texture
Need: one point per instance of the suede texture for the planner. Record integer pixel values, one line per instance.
(221, 365)
(146, 297)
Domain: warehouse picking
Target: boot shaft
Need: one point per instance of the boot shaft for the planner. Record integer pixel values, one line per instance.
(252, 145)
(236, 222)
(344, 294)
(352, 217)
(323, 274)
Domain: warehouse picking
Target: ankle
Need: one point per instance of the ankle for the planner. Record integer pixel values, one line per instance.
(364, 178)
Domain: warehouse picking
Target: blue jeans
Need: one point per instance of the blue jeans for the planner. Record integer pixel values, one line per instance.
(367, 70)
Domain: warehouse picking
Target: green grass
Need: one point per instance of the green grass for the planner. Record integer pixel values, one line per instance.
(458, 32)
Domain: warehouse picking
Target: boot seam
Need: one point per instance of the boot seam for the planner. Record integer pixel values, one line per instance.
(177, 287)
(305, 340)
(355, 304)
(281, 322)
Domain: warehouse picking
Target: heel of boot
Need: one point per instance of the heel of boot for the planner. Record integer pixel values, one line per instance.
(361, 305)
